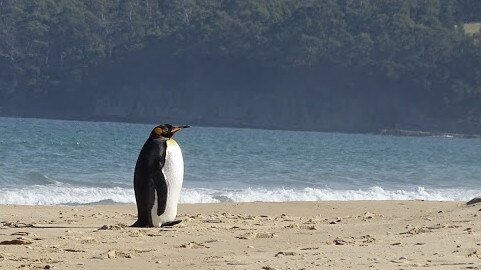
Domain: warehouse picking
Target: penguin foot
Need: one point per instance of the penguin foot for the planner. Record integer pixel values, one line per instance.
(171, 223)
(140, 224)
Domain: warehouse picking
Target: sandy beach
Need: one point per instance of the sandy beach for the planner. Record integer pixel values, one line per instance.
(298, 235)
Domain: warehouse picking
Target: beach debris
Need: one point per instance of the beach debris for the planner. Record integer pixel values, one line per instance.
(335, 221)
(193, 245)
(436, 227)
(118, 226)
(213, 221)
(74, 250)
(48, 266)
(24, 234)
(474, 200)
(310, 221)
(245, 217)
(292, 226)
(251, 235)
(368, 239)
(451, 226)
(285, 253)
(302, 226)
(475, 253)
(17, 224)
(401, 259)
(235, 263)
(283, 217)
(339, 241)
(18, 241)
(308, 227)
(419, 230)
(309, 248)
(142, 250)
(111, 254)
(268, 268)
(87, 240)
(211, 241)
(368, 215)
(196, 216)
(136, 233)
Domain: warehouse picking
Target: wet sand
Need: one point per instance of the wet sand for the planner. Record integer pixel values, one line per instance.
(299, 235)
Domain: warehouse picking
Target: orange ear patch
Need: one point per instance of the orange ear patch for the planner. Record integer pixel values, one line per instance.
(158, 131)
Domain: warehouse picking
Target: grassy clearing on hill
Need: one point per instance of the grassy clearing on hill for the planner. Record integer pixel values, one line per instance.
(472, 27)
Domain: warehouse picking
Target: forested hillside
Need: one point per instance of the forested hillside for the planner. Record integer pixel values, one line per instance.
(330, 65)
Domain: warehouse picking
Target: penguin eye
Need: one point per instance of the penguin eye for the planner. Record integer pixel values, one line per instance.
(165, 130)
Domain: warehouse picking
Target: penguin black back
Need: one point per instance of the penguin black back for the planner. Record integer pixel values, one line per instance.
(148, 178)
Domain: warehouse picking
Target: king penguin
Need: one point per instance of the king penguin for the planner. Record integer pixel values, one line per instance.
(158, 177)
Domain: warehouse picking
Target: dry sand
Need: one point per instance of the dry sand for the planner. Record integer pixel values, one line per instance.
(304, 235)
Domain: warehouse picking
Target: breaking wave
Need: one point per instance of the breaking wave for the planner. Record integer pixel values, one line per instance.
(65, 194)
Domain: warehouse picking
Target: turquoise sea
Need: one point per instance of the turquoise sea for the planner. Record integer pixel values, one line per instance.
(72, 162)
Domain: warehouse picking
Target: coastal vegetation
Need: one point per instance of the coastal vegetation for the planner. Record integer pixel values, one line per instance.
(332, 65)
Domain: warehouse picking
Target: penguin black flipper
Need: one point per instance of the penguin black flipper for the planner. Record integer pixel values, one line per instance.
(160, 186)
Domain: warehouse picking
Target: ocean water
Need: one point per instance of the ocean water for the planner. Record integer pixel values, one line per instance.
(72, 162)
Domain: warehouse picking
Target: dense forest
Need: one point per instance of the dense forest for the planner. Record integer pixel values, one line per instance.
(329, 65)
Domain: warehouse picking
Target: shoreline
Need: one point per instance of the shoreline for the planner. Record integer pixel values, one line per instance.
(423, 133)
(284, 235)
(380, 131)
(109, 203)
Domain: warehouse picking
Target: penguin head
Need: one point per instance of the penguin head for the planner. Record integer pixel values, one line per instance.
(165, 132)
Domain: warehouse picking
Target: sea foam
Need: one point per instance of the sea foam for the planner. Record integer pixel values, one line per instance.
(65, 194)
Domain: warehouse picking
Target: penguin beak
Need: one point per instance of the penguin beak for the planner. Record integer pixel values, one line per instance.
(177, 128)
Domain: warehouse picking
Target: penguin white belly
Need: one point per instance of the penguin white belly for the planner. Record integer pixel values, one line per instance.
(173, 172)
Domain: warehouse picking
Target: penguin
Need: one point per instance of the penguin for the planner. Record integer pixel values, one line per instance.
(158, 178)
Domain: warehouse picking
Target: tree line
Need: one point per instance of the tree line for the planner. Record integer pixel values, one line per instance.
(52, 48)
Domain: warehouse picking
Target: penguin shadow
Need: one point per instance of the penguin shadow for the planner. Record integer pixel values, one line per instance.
(167, 225)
